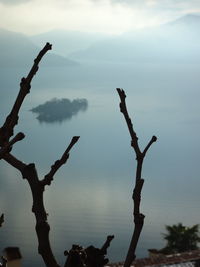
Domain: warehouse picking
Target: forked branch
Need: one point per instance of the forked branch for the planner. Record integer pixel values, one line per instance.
(16, 163)
(95, 257)
(138, 217)
(29, 171)
(8, 146)
(12, 119)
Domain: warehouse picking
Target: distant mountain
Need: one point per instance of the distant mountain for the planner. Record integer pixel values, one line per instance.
(177, 41)
(187, 20)
(17, 50)
(66, 42)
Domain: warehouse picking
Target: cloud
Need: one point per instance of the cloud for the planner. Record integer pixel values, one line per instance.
(173, 4)
(161, 10)
(107, 16)
(79, 15)
(13, 2)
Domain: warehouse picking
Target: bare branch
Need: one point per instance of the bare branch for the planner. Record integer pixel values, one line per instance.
(123, 109)
(5, 149)
(12, 119)
(29, 171)
(137, 196)
(16, 163)
(107, 244)
(42, 227)
(1, 219)
(138, 217)
(58, 163)
(153, 139)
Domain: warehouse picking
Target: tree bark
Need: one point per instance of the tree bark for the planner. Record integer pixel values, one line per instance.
(42, 227)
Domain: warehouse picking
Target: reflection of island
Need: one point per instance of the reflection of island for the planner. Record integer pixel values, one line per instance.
(58, 110)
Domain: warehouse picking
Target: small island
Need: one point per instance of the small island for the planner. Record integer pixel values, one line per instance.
(58, 110)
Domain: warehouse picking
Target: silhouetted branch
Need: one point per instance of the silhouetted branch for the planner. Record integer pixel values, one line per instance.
(16, 163)
(29, 171)
(1, 219)
(123, 109)
(153, 139)
(5, 149)
(12, 119)
(42, 226)
(76, 257)
(88, 257)
(107, 244)
(49, 177)
(137, 195)
(138, 217)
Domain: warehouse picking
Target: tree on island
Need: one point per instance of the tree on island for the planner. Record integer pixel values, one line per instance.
(77, 256)
(58, 110)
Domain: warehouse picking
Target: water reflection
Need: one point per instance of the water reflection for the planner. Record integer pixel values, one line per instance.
(58, 110)
(91, 195)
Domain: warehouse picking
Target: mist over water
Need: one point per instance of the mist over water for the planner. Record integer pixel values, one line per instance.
(90, 196)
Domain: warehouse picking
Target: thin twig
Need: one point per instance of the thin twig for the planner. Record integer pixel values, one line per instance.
(123, 109)
(153, 139)
(107, 244)
(58, 163)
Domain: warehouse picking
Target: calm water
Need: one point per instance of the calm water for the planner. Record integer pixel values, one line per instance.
(91, 195)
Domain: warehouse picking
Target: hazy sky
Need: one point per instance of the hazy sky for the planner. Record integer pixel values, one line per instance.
(107, 16)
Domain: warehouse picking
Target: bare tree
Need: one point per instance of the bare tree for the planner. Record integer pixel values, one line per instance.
(139, 181)
(77, 256)
(29, 171)
(94, 257)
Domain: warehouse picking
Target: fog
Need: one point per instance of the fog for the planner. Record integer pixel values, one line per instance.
(159, 69)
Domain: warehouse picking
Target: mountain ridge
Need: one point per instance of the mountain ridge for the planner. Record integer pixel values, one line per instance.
(176, 41)
(17, 50)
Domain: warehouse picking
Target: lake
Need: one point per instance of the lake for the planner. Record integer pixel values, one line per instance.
(90, 196)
